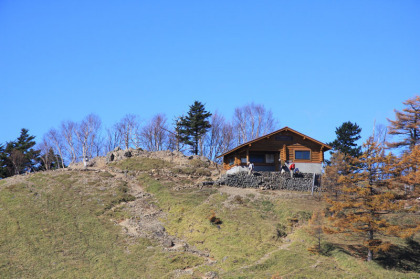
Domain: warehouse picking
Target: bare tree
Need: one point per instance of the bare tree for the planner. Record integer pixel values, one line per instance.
(155, 134)
(380, 133)
(219, 138)
(86, 134)
(46, 154)
(128, 130)
(174, 136)
(112, 140)
(98, 145)
(68, 132)
(252, 121)
(55, 138)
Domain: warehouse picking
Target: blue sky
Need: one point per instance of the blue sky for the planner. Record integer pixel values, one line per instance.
(315, 64)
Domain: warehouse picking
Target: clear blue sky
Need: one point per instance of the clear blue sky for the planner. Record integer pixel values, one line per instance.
(315, 64)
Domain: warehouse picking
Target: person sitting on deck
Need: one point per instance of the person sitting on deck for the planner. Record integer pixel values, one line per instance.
(250, 168)
(291, 168)
(283, 168)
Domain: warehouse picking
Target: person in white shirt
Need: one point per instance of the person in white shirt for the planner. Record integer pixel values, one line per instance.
(250, 168)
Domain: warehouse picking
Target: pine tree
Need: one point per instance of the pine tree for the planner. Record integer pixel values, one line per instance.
(365, 200)
(194, 126)
(3, 162)
(406, 125)
(347, 135)
(20, 154)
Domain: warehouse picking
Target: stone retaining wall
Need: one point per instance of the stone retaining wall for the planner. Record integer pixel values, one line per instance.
(271, 181)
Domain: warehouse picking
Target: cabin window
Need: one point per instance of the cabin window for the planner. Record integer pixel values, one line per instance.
(269, 158)
(283, 138)
(243, 160)
(231, 160)
(302, 154)
(257, 158)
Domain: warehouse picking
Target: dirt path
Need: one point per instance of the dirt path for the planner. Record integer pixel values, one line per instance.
(266, 256)
(146, 222)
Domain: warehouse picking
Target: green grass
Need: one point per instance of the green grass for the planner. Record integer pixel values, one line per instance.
(63, 225)
(249, 230)
(50, 228)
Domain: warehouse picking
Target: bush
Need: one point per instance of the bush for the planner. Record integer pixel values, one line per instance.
(214, 220)
(280, 231)
(238, 200)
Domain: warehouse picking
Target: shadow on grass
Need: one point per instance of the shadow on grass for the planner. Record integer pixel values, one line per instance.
(404, 258)
(401, 258)
(352, 250)
(327, 249)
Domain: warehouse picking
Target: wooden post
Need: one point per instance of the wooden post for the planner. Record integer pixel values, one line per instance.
(284, 153)
(313, 185)
(247, 155)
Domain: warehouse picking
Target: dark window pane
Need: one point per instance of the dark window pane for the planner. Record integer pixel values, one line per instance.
(302, 155)
(257, 158)
(269, 158)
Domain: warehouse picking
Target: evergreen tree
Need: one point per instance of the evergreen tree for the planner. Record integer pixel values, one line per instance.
(3, 162)
(406, 125)
(347, 135)
(20, 155)
(194, 126)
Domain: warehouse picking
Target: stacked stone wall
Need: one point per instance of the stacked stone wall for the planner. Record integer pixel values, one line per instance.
(271, 181)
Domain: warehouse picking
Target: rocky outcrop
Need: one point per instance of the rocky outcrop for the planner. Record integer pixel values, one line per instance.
(174, 156)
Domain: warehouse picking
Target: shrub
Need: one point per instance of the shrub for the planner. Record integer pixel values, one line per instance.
(214, 220)
(280, 231)
(238, 200)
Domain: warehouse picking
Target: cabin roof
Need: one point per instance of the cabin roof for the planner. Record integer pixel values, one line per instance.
(326, 146)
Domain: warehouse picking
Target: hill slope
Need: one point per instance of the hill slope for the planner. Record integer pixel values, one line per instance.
(148, 217)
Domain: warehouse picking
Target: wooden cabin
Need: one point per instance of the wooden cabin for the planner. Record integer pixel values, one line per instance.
(269, 152)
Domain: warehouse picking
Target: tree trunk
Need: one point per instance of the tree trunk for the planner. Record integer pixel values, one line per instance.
(370, 255)
(370, 252)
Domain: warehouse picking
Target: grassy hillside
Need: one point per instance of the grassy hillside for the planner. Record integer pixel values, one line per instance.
(66, 225)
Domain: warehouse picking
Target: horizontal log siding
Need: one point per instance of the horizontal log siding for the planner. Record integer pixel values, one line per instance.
(270, 144)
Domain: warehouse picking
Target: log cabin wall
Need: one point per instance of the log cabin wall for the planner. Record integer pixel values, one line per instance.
(283, 145)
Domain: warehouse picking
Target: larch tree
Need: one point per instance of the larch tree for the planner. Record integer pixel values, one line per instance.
(335, 172)
(406, 125)
(316, 229)
(194, 125)
(365, 201)
(405, 170)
